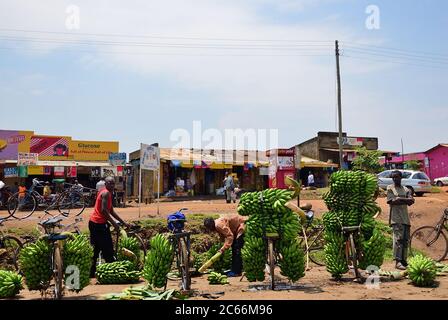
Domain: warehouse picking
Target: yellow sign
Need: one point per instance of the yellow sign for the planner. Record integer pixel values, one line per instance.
(92, 150)
(35, 170)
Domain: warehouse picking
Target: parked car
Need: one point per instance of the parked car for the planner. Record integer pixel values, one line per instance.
(443, 181)
(416, 181)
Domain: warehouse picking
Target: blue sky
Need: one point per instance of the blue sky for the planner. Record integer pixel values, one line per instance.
(114, 92)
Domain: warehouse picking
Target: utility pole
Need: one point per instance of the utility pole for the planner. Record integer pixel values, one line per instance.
(402, 153)
(338, 75)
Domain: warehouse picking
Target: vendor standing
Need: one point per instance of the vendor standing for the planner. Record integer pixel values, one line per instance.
(99, 224)
(399, 198)
(231, 229)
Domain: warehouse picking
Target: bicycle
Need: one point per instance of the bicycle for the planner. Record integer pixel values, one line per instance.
(5, 195)
(29, 201)
(312, 239)
(431, 240)
(272, 256)
(9, 250)
(56, 242)
(180, 240)
(352, 254)
(133, 231)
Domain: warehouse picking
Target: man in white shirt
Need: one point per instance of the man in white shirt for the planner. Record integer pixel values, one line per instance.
(311, 180)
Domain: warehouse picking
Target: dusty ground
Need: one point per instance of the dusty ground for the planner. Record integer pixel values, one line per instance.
(315, 285)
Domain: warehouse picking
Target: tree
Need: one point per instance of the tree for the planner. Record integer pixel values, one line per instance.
(367, 160)
(412, 165)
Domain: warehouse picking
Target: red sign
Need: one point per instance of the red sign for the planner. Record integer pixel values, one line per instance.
(72, 172)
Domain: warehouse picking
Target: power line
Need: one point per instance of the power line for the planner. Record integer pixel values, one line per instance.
(395, 49)
(393, 62)
(398, 55)
(167, 53)
(404, 59)
(161, 37)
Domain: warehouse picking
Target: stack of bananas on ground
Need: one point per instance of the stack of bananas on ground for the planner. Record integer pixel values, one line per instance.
(77, 252)
(10, 284)
(129, 249)
(158, 261)
(217, 278)
(268, 214)
(225, 260)
(117, 272)
(422, 271)
(351, 202)
(34, 262)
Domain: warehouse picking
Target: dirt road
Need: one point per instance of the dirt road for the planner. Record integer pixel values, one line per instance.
(316, 284)
(426, 210)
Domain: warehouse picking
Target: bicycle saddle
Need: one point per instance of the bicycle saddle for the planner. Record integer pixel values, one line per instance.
(57, 237)
(306, 206)
(349, 229)
(51, 221)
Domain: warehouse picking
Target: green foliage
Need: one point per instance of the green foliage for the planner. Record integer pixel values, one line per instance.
(412, 165)
(367, 160)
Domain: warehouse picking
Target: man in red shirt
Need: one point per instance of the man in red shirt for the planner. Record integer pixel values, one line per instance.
(230, 229)
(99, 223)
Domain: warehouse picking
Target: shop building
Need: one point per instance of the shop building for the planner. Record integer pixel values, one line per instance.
(58, 157)
(202, 172)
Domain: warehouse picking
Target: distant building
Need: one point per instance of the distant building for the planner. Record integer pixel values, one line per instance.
(434, 162)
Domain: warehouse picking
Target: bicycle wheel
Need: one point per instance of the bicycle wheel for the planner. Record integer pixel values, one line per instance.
(21, 207)
(184, 265)
(9, 253)
(271, 261)
(429, 241)
(58, 272)
(71, 203)
(316, 244)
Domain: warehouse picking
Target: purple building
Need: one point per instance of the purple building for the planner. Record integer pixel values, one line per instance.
(437, 161)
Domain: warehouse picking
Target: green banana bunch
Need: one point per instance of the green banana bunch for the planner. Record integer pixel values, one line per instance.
(351, 203)
(373, 250)
(224, 262)
(335, 259)
(268, 213)
(422, 271)
(158, 261)
(254, 258)
(34, 262)
(77, 251)
(133, 245)
(118, 272)
(10, 284)
(292, 261)
(217, 278)
(199, 259)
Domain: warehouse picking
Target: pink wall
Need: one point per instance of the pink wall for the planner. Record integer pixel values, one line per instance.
(411, 156)
(438, 162)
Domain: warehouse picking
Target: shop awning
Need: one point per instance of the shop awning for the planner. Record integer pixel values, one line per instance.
(214, 159)
(67, 163)
(313, 163)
